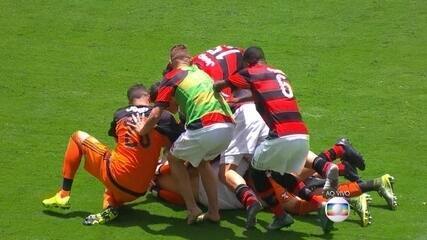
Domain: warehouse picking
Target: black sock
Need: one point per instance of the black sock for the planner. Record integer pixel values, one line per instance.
(240, 190)
(319, 164)
(288, 181)
(367, 186)
(291, 184)
(270, 200)
(66, 184)
(261, 183)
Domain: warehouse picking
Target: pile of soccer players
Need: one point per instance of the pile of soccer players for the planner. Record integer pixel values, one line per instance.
(222, 129)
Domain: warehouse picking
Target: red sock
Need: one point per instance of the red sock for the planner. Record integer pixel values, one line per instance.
(333, 153)
(341, 168)
(72, 158)
(277, 210)
(339, 150)
(247, 197)
(298, 187)
(326, 168)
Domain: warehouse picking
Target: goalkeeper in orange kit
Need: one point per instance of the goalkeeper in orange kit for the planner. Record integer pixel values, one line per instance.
(127, 170)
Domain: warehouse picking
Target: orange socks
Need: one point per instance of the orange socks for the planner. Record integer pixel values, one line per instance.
(352, 188)
(71, 163)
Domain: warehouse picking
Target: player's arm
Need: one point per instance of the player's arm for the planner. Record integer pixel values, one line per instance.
(219, 85)
(143, 125)
(164, 95)
(112, 131)
(238, 80)
(151, 121)
(243, 96)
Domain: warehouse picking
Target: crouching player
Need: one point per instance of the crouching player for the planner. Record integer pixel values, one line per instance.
(125, 171)
(209, 128)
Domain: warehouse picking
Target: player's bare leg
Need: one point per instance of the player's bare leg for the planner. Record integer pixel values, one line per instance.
(229, 176)
(179, 171)
(209, 183)
(72, 159)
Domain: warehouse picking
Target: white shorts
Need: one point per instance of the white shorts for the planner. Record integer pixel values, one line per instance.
(203, 144)
(226, 198)
(284, 155)
(249, 132)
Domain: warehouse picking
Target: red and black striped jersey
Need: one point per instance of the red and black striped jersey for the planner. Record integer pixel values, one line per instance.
(273, 97)
(220, 62)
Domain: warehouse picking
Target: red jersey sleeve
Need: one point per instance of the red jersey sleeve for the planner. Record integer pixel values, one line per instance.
(168, 86)
(165, 93)
(239, 80)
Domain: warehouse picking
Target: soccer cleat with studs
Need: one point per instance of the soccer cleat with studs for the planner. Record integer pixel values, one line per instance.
(386, 191)
(351, 155)
(103, 217)
(350, 172)
(325, 223)
(284, 220)
(360, 205)
(57, 202)
(252, 211)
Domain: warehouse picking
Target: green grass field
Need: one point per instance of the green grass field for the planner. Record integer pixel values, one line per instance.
(358, 68)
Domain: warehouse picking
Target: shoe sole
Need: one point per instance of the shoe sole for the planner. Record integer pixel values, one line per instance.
(56, 206)
(366, 214)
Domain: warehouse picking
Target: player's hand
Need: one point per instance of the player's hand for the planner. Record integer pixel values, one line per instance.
(138, 122)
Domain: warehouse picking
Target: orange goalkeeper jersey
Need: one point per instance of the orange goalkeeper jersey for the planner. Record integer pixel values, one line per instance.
(134, 159)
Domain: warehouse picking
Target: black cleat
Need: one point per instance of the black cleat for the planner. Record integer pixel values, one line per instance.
(252, 211)
(351, 155)
(281, 221)
(350, 172)
(325, 223)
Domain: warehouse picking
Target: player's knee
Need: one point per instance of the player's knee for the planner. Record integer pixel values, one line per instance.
(222, 176)
(224, 172)
(80, 136)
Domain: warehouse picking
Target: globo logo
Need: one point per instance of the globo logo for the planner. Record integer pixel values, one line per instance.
(337, 209)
